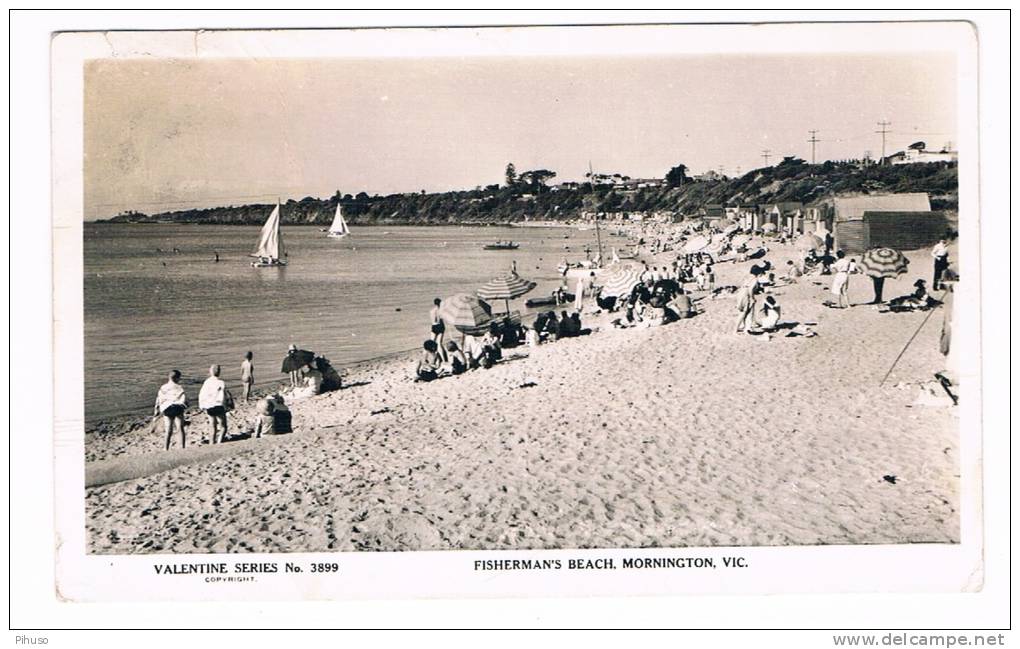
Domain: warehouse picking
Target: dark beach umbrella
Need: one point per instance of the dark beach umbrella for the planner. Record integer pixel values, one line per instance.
(884, 262)
(508, 286)
(466, 313)
(296, 359)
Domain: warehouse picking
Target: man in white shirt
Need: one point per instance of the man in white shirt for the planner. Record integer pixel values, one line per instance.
(940, 253)
(212, 398)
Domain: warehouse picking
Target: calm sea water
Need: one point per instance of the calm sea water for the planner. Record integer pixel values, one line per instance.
(149, 309)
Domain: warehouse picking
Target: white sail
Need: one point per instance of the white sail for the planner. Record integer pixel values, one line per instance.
(339, 227)
(270, 242)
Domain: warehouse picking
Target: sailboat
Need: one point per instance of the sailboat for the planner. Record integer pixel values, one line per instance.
(339, 228)
(270, 249)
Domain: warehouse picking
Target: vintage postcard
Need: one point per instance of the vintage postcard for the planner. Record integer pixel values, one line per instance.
(527, 311)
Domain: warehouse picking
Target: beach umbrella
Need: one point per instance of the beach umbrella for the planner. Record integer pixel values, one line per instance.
(769, 227)
(808, 241)
(296, 359)
(883, 262)
(739, 240)
(621, 281)
(730, 229)
(466, 313)
(508, 286)
(697, 244)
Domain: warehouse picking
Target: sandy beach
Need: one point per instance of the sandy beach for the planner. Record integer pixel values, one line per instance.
(681, 435)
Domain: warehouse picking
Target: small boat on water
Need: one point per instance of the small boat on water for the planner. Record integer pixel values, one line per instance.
(270, 250)
(339, 229)
(502, 245)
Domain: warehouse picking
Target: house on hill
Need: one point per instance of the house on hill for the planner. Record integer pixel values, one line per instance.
(900, 221)
(917, 152)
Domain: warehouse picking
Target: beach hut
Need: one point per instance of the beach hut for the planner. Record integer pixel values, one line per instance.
(898, 221)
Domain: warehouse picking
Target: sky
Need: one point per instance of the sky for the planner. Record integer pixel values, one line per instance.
(175, 134)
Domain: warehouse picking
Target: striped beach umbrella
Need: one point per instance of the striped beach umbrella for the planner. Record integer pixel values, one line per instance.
(808, 241)
(466, 313)
(697, 244)
(508, 286)
(883, 262)
(621, 281)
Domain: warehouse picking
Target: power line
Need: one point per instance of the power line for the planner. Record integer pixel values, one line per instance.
(814, 140)
(883, 129)
(766, 153)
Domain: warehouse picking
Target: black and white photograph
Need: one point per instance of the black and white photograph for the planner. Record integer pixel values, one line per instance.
(650, 301)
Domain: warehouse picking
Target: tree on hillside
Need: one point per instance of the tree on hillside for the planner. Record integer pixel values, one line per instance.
(676, 176)
(511, 175)
(536, 178)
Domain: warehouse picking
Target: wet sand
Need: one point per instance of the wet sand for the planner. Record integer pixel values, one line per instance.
(681, 435)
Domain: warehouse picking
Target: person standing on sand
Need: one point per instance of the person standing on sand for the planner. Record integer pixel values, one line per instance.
(579, 294)
(247, 375)
(170, 403)
(213, 398)
(841, 282)
(747, 301)
(940, 255)
(292, 366)
(438, 328)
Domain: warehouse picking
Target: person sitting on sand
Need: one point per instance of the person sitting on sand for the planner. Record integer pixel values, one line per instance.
(552, 326)
(792, 271)
(266, 423)
(608, 303)
(214, 399)
(330, 377)
(771, 313)
(576, 327)
(565, 327)
(531, 336)
(919, 299)
(312, 383)
(509, 334)
(491, 350)
(171, 401)
(429, 364)
(456, 361)
(681, 305)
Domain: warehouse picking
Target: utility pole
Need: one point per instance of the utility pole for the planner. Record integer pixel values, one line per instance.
(883, 129)
(813, 141)
(765, 153)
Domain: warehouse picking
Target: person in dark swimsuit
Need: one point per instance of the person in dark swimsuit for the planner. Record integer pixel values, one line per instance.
(438, 328)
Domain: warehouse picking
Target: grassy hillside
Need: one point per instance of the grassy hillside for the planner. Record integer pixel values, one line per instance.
(791, 180)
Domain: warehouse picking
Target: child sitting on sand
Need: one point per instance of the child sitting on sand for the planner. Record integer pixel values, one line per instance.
(457, 363)
(430, 362)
